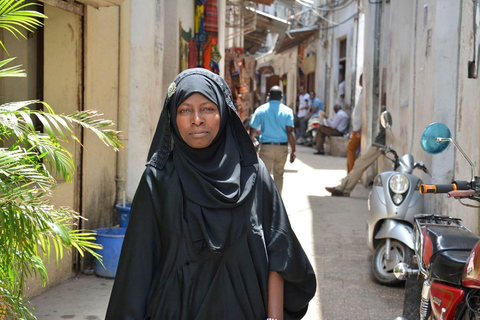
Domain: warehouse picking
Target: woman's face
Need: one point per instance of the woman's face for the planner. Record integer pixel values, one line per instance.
(198, 121)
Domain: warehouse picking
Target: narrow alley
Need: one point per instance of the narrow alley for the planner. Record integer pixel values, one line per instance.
(331, 230)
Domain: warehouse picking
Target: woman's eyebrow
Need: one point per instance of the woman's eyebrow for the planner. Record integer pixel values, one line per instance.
(201, 104)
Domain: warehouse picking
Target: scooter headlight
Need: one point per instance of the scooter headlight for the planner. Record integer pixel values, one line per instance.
(399, 183)
(397, 198)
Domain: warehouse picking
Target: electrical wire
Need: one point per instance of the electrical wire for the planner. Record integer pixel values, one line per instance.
(343, 22)
(325, 7)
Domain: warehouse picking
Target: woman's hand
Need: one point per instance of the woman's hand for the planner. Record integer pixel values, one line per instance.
(275, 295)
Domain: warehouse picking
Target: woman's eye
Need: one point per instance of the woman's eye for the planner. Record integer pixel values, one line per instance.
(183, 111)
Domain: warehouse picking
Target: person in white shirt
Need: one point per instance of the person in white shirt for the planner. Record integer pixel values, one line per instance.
(340, 100)
(304, 103)
(336, 127)
(355, 136)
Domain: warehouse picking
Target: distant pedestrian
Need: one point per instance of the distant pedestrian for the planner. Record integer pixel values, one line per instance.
(336, 127)
(317, 104)
(208, 236)
(304, 103)
(356, 135)
(275, 121)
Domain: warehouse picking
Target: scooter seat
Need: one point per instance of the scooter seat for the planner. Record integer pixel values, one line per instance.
(451, 247)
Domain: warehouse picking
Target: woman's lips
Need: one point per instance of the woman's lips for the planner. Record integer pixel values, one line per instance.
(199, 134)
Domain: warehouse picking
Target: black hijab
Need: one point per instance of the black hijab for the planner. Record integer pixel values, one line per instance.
(217, 179)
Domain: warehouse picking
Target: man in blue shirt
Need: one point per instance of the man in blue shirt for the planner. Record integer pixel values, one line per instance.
(317, 104)
(275, 120)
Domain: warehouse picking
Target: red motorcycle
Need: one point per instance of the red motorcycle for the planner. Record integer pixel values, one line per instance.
(444, 281)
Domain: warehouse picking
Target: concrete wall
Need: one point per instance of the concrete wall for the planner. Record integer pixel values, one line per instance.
(467, 113)
(146, 73)
(331, 41)
(154, 43)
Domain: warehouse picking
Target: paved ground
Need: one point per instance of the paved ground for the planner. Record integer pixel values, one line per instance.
(332, 231)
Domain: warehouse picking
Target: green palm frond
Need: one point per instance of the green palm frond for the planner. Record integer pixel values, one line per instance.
(16, 122)
(12, 306)
(14, 71)
(14, 17)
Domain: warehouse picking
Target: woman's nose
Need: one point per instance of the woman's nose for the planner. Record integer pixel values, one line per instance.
(197, 118)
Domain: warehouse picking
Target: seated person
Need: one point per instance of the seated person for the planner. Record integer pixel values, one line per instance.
(362, 163)
(336, 127)
(316, 105)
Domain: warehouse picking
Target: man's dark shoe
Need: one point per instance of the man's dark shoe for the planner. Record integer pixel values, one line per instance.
(330, 189)
(338, 193)
(319, 152)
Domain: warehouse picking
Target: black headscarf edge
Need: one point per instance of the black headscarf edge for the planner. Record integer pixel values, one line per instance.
(161, 146)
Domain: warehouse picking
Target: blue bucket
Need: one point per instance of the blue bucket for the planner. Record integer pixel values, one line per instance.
(123, 214)
(111, 239)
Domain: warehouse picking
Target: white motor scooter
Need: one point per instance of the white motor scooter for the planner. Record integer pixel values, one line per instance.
(392, 204)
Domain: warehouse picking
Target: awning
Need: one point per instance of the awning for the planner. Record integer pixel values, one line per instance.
(264, 24)
(76, 6)
(293, 38)
(267, 2)
(101, 3)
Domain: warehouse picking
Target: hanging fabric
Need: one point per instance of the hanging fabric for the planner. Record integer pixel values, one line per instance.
(211, 17)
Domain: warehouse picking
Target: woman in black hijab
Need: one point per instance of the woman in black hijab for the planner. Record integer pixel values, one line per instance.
(208, 236)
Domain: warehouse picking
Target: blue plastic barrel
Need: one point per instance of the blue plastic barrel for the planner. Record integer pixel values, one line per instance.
(123, 214)
(111, 239)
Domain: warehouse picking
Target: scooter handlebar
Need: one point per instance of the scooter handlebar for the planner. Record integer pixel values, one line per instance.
(443, 188)
(437, 188)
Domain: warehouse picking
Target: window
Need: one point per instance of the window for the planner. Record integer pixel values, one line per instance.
(342, 59)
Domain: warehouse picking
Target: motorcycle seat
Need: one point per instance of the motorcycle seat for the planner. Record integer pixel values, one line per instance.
(451, 247)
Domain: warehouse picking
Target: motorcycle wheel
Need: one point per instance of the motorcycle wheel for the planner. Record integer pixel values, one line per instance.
(382, 268)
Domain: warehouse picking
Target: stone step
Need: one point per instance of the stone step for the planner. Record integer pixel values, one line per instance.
(336, 146)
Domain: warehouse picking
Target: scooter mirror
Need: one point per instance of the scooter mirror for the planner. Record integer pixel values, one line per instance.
(429, 141)
(386, 119)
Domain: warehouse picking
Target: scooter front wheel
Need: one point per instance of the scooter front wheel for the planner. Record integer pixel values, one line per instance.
(383, 267)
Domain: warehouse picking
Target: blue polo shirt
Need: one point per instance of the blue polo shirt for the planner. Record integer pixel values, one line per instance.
(272, 118)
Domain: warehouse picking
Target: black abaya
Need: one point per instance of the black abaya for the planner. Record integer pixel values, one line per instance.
(207, 226)
(160, 275)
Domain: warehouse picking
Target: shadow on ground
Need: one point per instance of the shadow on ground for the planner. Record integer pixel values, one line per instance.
(343, 262)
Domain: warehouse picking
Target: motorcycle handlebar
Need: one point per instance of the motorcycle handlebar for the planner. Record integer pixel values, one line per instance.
(443, 188)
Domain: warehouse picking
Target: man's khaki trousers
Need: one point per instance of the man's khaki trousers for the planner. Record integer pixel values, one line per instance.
(274, 157)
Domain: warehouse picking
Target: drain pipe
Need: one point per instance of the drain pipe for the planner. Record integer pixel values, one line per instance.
(123, 99)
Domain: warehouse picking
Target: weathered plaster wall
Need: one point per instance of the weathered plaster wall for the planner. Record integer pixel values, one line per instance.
(147, 48)
(334, 36)
(154, 64)
(62, 83)
(101, 76)
(467, 113)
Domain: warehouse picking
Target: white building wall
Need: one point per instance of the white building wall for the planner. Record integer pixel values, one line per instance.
(327, 78)
(154, 64)
(147, 45)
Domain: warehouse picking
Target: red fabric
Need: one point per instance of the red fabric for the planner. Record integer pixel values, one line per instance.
(211, 16)
(207, 53)
(192, 53)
